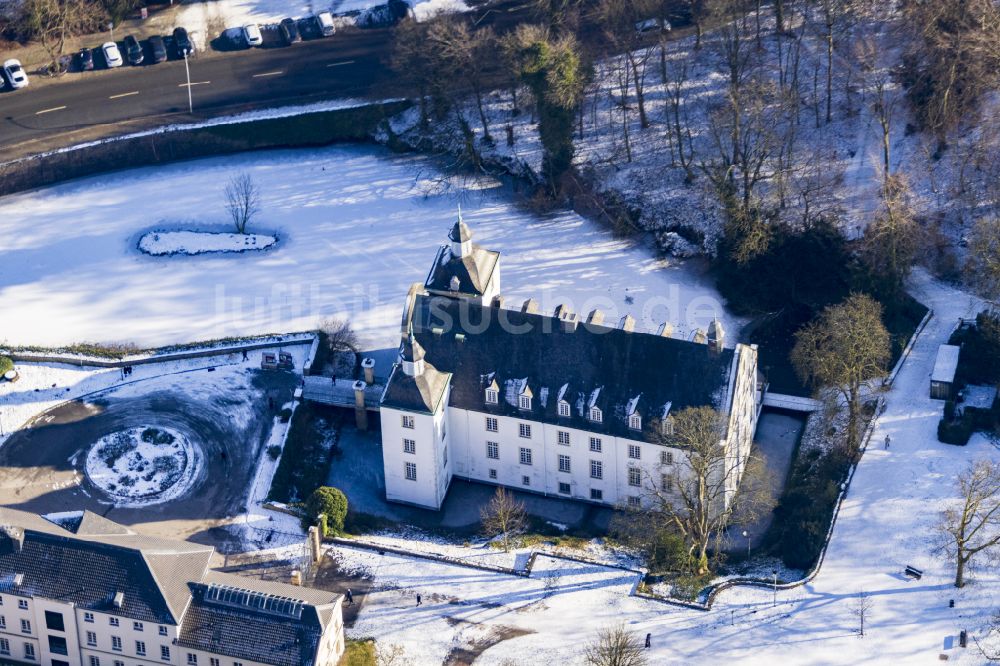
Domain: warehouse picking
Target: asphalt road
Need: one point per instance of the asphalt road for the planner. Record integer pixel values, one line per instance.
(346, 65)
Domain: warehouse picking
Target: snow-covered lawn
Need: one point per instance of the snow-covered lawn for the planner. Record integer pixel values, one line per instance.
(158, 243)
(886, 523)
(142, 466)
(358, 227)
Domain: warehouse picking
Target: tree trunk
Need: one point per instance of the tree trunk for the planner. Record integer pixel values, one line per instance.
(640, 97)
(482, 117)
(697, 33)
(779, 16)
(829, 72)
(960, 571)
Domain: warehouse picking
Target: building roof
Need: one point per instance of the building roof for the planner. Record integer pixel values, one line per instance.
(422, 393)
(472, 272)
(161, 581)
(945, 364)
(256, 620)
(584, 365)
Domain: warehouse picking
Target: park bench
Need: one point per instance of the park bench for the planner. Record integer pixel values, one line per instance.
(913, 572)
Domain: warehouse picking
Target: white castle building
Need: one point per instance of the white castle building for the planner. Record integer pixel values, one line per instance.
(548, 403)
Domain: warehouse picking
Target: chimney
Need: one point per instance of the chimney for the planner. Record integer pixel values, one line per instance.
(570, 322)
(455, 284)
(530, 306)
(119, 599)
(596, 317)
(561, 311)
(360, 413)
(497, 301)
(716, 337)
(627, 323)
(666, 330)
(699, 336)
(18, 579)
(296, 577)
(368, 365)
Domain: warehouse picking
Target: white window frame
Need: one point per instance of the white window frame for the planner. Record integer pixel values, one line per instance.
(492, 424)
(635, 452)
(91, 638)
(4, 646)
(140, 648)
(492, 396)
(493, 450)
(410, 446)
(635, 422)
(565, 464)
(29, 651)
(563, 408)
(634, 502)
(524, 430)
(596, 469)
(410, 471)
(525, 480)
(524, 402)
(666, 483)
(565, 488)
(563, 436)
(668, 426)
(596, 494)
(408, 421)
(492, 473)
(635, 477)
(525, 456)
(595, 415)
(666, 457)
(596, 445)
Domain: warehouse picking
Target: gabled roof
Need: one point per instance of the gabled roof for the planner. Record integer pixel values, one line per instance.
(473, 271)
(589, 365)
(422, 393)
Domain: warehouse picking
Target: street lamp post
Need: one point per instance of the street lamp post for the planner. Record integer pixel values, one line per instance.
(775, 572)
(187, 71)
(746, 535)
(111, 29)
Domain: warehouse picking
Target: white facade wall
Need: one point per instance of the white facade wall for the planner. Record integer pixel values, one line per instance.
(470, 450)
(12, 614)
(742, 424)
(431, 456)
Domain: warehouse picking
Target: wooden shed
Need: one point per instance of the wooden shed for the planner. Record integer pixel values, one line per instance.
(943, 377)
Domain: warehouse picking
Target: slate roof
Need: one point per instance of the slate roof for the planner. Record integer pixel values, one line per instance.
(161, 581)
(245, 633)
(473, 270)
(417, 394)
(587, 365)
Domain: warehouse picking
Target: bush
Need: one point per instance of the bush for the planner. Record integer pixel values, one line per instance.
(306, 460)
(359, 652)
(6, 365)
(330, 502)
(955, 432)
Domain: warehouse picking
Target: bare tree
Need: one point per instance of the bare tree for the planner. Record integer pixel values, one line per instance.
(242, 200)
(390, 654)
(846, 349)
(893, 239)
(339, 335)
(973, 527)
(861, 607)
(619, 18)
(53, 22)
(989, 645)
(678, 119)
(467, 53)
(983, 267)
(615, 646)
(694, 493)
(504, 516)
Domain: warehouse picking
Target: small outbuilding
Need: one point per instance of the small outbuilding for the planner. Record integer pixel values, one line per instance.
(943, 377)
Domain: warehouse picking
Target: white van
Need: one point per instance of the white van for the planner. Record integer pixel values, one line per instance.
(325, 22)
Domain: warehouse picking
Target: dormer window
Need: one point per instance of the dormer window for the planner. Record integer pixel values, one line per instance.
(635, 422)
(595, 415)
(492, 396)
(668, 426)
(563, 408)
(524, 402)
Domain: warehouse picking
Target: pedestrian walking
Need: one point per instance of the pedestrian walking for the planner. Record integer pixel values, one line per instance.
(245, 358)
(418, 599)
(350, 597)
(649, 640)
(887, 442)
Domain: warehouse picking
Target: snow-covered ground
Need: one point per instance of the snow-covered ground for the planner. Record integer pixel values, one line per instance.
(885, 524)
(143, 466)
(358, 227)
(202, 242)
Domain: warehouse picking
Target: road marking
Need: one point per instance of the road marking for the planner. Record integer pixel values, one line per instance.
(55, 108)
(278, 73)
(134, 92)
(193, 83)
(338, 64)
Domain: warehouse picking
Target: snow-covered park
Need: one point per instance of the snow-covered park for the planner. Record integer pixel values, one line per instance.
(887, 522)
(161, 243)
(358, 227)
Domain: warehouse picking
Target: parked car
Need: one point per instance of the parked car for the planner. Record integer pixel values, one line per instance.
(289, 31)
(652, 25)
(325, 22)
(133, 50)
(85, 60)
(112, 56)
(309, 28)
(182, 42)
(251, 35)
(157, 49)
(15, 74)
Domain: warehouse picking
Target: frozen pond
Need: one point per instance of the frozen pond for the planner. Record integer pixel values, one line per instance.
(358, 226)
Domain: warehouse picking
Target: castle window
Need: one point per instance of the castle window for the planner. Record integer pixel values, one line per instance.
(634, 451)
(595, 415)
(563, 408)
(493, 450)
(564, 488)
(666, 484)
(526, 480)
(596, 494)
(564, 464)
(524, 402)
(493, 474)
(525, 456)
(668, 426)
(524, 430)
(409, 446)
(564, 437)
(491, 424)
(596, 469)
(492, 396)
(635, 422)
(595, 444)
(634, 477)
(666, 457)
(634, 502)
(411, 471)
(408, 421)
